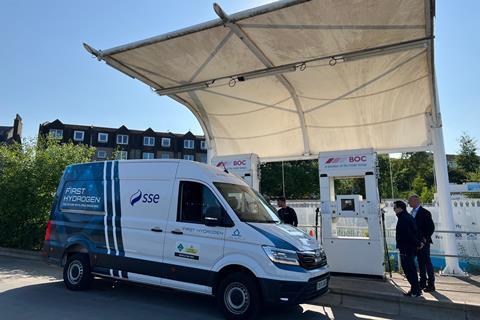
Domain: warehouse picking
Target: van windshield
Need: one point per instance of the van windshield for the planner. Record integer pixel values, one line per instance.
(248, 205)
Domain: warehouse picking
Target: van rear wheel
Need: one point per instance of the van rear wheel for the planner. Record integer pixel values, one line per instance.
(238, 296)
(76, 272)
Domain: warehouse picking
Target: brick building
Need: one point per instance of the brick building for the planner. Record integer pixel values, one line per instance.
(11, 134)
(129, 144)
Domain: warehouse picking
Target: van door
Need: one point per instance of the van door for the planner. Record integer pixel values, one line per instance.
(192, 248)
(144, 220)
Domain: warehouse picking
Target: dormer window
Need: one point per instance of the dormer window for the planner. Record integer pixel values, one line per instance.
(188, 144)
(149, 141)
(103, 137)
(78, 135)
(56, 133)
(166, 142)
(122, 139)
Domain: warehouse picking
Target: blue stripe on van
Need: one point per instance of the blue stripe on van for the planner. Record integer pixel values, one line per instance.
(278, 242)
(109, 208)
(155, 269)
(118, 215)
(118, 209)
(290, 268)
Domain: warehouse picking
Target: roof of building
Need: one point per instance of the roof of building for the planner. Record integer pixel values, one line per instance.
(5, 128)
(121, 128)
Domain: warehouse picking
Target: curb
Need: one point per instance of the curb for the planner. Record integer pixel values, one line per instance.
(396, 305)
(22, 254)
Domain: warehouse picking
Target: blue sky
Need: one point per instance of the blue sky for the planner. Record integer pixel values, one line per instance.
(46, 73)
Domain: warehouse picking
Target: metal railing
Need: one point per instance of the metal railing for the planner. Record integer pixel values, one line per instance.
(352, 231)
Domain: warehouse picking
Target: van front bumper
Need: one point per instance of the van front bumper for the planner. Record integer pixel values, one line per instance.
(292, 292)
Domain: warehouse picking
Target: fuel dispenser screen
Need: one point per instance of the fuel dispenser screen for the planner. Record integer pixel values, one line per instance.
(347, 204)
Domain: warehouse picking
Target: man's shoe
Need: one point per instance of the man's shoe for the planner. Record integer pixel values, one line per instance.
(429, 289)
(423, 286)
(416, 295)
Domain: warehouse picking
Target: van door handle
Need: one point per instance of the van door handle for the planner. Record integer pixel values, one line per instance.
(156, 229)
(177, 232)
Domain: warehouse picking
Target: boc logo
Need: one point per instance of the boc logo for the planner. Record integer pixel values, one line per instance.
(144, 197)
(239, 163)
(358, 159)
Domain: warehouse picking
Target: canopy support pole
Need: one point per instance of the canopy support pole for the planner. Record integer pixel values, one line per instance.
(443, 189)
(230, 23)
(445, 204)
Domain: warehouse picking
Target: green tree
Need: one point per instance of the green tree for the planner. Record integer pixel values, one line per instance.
(467, 158)
(418, 185)
(384, 181)
(421, 163)
(457, 175)
(271, 179)
(474, 176)
(301, 179)
(427, 195)
(29, 175)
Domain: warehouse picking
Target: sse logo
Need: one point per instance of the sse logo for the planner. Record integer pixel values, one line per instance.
(144, 197)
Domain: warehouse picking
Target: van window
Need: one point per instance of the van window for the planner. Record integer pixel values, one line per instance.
(194, 201)
(248, 205)
(83, 195)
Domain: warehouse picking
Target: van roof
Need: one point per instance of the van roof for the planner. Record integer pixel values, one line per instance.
(178, 167)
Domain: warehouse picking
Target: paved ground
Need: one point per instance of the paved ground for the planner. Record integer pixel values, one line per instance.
(34, 290)
(458, 290)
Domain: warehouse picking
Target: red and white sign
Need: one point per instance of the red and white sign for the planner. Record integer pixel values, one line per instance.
(351, 159)
(344, 161)
(237, 164)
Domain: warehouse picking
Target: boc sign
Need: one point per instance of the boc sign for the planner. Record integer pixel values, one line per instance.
(237, 164)
(345, 161)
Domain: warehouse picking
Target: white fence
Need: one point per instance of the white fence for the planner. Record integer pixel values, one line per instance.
(467, 229)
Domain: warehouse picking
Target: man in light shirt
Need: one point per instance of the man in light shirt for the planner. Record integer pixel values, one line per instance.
(426, 227)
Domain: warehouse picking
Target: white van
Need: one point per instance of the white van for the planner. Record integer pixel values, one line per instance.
(183, 225)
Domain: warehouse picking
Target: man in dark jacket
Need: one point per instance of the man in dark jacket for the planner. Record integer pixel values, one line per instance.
(285, 213)
(407, 243)
(425, 226)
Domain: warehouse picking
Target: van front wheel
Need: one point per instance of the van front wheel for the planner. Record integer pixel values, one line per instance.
(76, 272)
(238, 296)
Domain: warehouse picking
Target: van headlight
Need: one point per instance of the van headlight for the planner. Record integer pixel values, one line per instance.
(281, 256)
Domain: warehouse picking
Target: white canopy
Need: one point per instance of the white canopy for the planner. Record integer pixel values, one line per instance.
(297, 77)
(294, 78)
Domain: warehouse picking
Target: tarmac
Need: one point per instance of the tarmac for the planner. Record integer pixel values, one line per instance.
(455, 297)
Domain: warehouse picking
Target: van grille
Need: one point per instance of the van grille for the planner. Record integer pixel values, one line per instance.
(312, 259)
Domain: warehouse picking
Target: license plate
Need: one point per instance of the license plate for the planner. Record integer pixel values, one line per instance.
(321, 284)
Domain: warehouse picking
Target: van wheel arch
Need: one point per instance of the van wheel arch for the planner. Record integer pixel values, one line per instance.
(73, 249)
(233, 268)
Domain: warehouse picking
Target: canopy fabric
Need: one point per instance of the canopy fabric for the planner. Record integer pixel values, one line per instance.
(363, 76)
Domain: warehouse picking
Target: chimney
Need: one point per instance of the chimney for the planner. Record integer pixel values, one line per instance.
(17, 129)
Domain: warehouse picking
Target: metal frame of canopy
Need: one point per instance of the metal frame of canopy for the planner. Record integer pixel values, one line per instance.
(229, 21)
